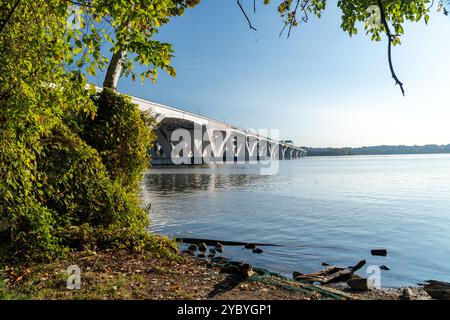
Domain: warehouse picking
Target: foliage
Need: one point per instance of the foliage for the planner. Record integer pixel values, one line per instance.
(376, 15)
(122, 135)
(74, 203)
(127, 25)
(32, 101)
(56, 194)
(397, 12)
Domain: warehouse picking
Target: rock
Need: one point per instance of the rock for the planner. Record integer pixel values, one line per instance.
(406, 294)
(202, 247)
(230, 269)
(257, 251)
(379, 252)
(211, 255)
(250, 246)
(438, 289)
(212, 251)
(244, 286)
(219, 259)
(297, 274)
(246, 270)
(355, 276)
(189, 252)
(360, 284)
(323, 264)
(201, 255)
(219, 247)
(192, 247)
(383, 267)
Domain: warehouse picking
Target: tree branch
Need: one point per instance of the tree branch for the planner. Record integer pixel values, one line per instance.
(245, 14)
(8, 17)
(390, 38)
(293, 18)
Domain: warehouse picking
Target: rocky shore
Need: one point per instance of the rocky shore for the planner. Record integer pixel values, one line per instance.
(122, 275)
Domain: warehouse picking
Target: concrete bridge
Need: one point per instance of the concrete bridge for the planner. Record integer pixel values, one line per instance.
(185, 137)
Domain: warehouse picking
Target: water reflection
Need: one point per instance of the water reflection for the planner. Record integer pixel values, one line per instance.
(165, 181)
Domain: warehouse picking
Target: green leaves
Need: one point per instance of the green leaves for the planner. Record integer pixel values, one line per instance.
(111, 25)
(56, 191)
(355, 11)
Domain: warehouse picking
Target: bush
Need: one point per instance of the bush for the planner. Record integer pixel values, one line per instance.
(64, 194)
(58, 192)
(122, 134)
(72, 203)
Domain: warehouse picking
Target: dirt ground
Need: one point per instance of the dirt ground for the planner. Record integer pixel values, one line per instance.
(121, 275)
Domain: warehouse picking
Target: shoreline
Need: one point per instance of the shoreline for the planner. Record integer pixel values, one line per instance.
(114, 274)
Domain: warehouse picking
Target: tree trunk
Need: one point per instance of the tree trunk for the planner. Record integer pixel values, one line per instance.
(114, 70)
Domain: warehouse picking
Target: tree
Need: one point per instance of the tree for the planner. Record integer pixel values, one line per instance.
(57, 191)
(379, 17)
(129, 26)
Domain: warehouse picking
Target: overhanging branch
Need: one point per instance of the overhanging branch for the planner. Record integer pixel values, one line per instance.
(390, 38)
(245, 13)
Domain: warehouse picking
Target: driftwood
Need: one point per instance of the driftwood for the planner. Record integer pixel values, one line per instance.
(210, 242)
(331, 274)
(438, 289)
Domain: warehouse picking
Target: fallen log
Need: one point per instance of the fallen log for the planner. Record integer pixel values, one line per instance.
(210, 242)
(319, 276)
(331, 274)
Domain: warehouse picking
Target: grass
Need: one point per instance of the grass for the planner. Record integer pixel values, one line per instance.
(112, 274)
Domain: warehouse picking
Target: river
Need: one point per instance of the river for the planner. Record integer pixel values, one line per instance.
(330, 210)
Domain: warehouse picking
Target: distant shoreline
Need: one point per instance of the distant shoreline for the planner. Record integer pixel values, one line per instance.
(373, 154)
(379, 150)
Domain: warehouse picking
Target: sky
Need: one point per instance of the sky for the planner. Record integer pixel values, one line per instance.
(320, 87)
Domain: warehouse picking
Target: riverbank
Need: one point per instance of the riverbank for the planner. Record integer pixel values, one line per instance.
(122, 275)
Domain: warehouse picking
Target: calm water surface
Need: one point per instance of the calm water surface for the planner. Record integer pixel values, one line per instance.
(324, 209)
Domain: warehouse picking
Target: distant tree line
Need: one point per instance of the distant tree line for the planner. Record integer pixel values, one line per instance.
(379, 150)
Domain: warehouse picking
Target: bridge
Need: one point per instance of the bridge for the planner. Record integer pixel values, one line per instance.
(189, 138)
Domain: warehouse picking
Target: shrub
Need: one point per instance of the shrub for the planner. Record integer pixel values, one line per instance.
(67, 199)
(71, 202)
(25, 224)
(123, 136)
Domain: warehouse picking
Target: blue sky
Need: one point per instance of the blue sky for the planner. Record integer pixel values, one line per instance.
(319, 87)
